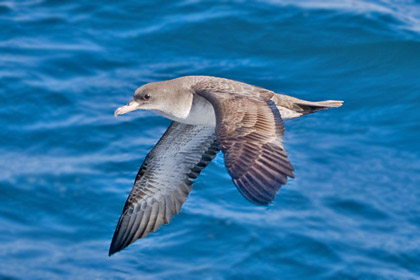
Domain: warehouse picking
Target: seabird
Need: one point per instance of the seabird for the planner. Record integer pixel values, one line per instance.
(208, 114)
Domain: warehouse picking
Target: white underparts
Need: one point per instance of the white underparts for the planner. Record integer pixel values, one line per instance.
(201, 113)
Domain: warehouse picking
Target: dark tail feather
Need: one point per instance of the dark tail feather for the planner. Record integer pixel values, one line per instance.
(307, 107)
(292, 107)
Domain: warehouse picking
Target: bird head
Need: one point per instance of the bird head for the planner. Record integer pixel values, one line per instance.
(150, 96)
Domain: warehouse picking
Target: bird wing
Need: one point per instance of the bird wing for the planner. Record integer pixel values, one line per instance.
(249, 129)
(164, 181)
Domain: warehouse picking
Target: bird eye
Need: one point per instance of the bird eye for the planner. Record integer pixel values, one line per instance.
(146, 96)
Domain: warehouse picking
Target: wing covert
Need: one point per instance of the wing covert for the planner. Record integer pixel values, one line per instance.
(249, 130)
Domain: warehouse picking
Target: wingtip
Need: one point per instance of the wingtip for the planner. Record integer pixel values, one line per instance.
(116, 243)
(114, 249)
(291, 174)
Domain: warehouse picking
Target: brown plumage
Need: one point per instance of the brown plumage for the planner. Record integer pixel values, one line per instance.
(209, 113)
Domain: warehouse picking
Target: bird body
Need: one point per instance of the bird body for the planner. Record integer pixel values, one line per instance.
(193, 109)
(209, 114)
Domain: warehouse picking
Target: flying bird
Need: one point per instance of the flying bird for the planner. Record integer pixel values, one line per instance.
(208, 114)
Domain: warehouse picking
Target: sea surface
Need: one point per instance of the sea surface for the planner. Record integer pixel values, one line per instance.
(67, 165)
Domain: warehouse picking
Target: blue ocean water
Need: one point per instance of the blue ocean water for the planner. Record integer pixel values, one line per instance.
(67, 165)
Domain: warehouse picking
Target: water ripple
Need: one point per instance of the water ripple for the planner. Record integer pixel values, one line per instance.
(67, 164)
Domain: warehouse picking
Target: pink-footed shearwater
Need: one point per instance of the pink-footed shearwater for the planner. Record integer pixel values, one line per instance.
(209, 114)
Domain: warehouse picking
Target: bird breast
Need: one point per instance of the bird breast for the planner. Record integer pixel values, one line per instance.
(201, 112)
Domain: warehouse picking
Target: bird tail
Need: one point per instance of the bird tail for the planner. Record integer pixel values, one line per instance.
(293, 107)
(307, 107)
